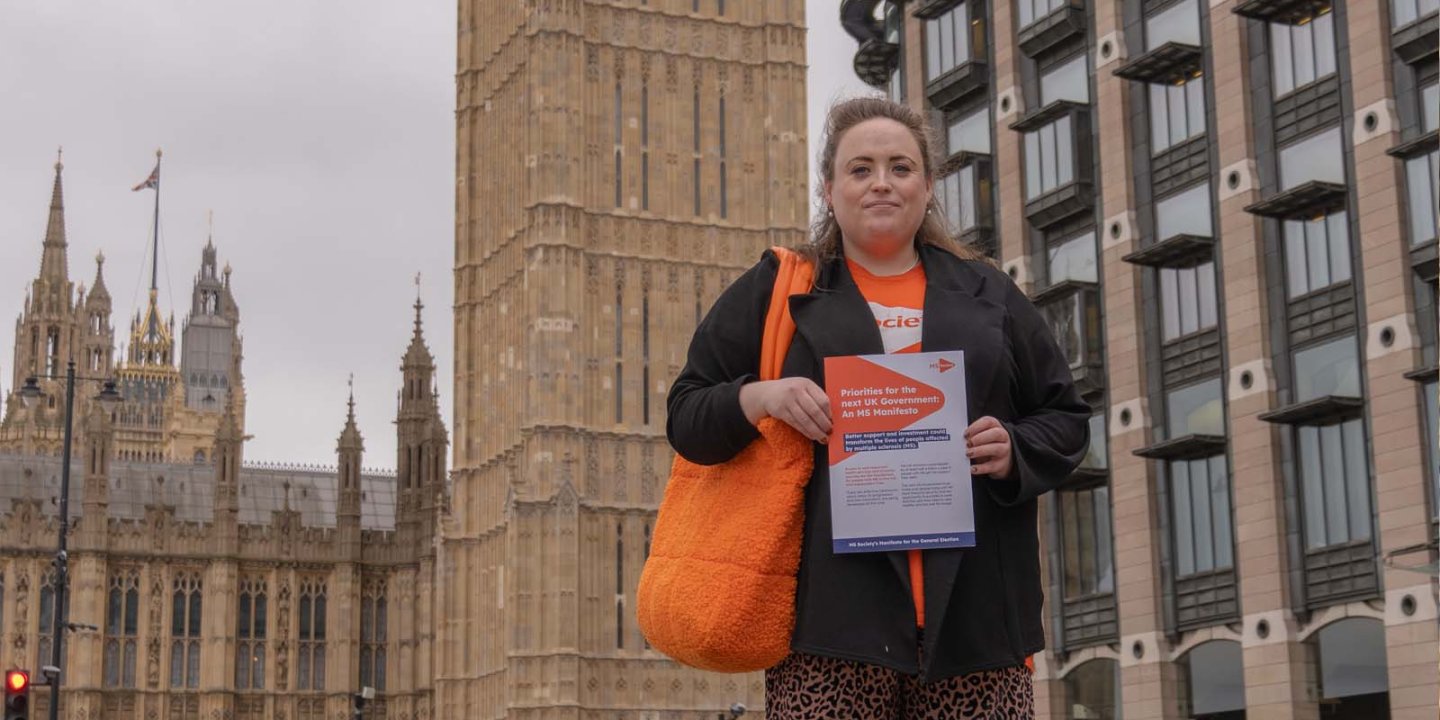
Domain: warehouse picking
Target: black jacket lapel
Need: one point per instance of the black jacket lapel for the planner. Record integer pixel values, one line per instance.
(834, 319)
(956, 318)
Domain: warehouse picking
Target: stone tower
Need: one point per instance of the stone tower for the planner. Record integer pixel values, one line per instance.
(47, 333)
(210, 338)
(617, 166)
(97, 338)
(420, 460)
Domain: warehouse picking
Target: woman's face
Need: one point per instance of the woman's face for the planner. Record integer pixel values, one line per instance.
(880, 191)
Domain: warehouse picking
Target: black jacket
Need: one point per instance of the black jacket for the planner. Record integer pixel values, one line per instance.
(983, 604)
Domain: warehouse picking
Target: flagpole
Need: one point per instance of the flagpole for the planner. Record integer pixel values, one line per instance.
(155, 251)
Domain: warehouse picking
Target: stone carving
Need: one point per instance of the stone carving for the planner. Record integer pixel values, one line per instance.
(647, 475)
(621, 481)
(592, 469)
(152, 662)
(592, 63)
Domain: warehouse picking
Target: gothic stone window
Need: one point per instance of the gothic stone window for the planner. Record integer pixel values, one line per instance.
(185, 617)
(373, 618)
(122, 611)
(47, 620)
(252, 617)
(311, 648)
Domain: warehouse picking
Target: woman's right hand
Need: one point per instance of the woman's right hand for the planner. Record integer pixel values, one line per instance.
(796, 401)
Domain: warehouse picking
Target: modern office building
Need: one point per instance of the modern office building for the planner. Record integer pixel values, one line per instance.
(1227, 210)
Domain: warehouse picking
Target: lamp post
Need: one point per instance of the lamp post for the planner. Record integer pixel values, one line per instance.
(359, 699)
(108, 398)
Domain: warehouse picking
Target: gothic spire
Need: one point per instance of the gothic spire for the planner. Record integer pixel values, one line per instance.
(53, 264)
(418, 356)
(350, 439)
(98, 292)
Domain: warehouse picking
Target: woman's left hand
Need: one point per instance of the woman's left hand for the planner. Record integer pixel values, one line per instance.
(987, 444)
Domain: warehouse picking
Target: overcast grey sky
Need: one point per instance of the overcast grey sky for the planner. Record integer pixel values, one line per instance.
(321, 134)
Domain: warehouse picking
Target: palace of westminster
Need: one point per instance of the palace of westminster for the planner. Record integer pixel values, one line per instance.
(618, 164)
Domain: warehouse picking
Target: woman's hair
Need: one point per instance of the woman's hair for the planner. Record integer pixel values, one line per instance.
(824, 242)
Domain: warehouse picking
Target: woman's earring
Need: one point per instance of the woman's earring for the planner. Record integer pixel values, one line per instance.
(927, 210)
(830, 211)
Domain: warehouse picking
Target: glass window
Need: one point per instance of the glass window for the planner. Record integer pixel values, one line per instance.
(185, 620)
(121, 626)
(1302, 53)
(1177, 113)
(1049, 158)
(1187, 300)
(1331, 368)
(1184, 213)
(1426, 317)
(1318, 157)
(1432, 406)
(1432, 422)
(1352, 659)
(947, 41)
(1089, 569)
(1093, 690)
(1068, 81)
(1430, 107)
(958, 197)
(1200, 508)
(1075, 323)
(1335, 482)
(1072, 259)
(1317, 253)
(1408, 11)
(1423, 196)
(1032, 10)
(970, 133)
(1214, 679)
(1196, 409)
(1178, 23)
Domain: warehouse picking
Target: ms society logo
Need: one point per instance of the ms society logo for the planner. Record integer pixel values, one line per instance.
(942, 365)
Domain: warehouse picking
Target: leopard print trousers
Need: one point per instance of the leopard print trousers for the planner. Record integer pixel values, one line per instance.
(807, 687)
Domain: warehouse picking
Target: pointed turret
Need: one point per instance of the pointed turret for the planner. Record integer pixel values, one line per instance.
(210, 337)
(420, 470)
(97, 340)
(351, 449)
(350, 439)
(229, 442)
(98, 292)
(96, 498)
(47, 335)
(53, 263)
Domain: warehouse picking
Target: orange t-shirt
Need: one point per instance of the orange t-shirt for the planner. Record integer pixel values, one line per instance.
(898, 303)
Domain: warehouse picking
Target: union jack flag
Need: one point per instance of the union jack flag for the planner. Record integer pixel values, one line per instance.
(150, 182)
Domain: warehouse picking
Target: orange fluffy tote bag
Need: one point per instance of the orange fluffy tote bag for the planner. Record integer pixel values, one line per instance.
(718, 590)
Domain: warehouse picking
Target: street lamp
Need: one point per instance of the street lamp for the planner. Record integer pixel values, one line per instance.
(359, 699)
(108, 398)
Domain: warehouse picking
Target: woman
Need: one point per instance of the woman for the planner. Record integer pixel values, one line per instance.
(938, 634)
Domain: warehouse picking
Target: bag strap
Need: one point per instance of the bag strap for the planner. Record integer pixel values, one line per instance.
(793, 278)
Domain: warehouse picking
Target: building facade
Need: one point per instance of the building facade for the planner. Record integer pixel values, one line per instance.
(1227, 210)
(618, 164)
(200, 586)
(169, 413)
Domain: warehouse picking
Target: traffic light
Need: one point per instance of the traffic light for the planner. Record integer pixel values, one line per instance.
(17, 695)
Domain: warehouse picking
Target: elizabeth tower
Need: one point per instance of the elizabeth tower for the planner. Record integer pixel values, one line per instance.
(617, 164)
